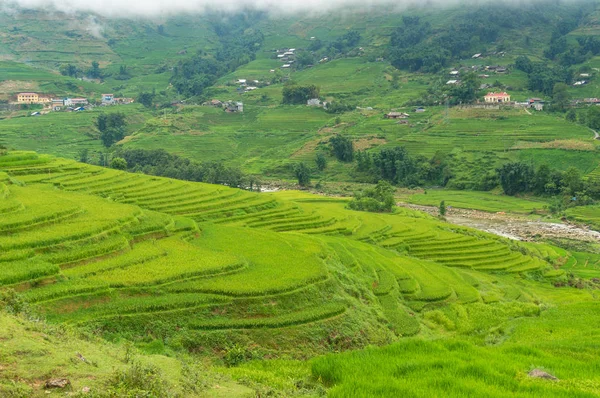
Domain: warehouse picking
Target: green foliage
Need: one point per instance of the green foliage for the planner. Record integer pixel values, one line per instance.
(515, 177)
(146, 99)
(298, 95)
(94, 71)
(139, 380)
(377, 199)
(302, 172)
(342, 148)
(336, 107)
(118, 163)
(560, 96)
(321, 161)
(161, 163)
(442, 208)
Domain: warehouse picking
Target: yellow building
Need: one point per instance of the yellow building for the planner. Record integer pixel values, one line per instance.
(497, 97)
(28, 98)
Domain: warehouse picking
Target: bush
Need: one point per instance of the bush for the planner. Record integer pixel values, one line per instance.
(118, 163)
(378, 199)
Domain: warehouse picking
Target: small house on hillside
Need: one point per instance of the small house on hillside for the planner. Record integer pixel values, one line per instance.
(497, 97)
(313, 102)
(453, 82)
(108, 99)
(396, 115)
(232, 106)
(420, 110)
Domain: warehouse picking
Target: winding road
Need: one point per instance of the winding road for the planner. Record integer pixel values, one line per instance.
(596, 135)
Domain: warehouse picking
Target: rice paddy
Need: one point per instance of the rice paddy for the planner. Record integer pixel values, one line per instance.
(110, 251)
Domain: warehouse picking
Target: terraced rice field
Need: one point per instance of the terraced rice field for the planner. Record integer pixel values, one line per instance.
(94, 246)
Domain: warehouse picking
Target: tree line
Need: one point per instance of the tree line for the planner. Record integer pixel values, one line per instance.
(159, 162)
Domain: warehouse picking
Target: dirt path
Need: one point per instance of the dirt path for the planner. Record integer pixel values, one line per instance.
(596, 135)
(512, 226)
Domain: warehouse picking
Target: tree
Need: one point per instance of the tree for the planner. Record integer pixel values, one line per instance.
(321, 161)
(298, 95)
(304, 59)
(84, 155)
(560, 96)
(111, 127)
(442, 208)
(571, 181)
(377, 199)
(592, 117)
(118, 163)
(515, 177)
(146, 99)
(68, 70)
(94, 72)
(342, 148)
(571, 115)
(111, 136)
(524, 64)
(302, 174)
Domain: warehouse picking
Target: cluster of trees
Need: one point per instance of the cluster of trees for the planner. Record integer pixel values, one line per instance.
(396, 166)
(93, 72)
(336, 107)
(161, 163)
(238, 45)
(519, 177)
(294, 94)
(111, 127)
(342, 148)
(377, 199)
(542, 76)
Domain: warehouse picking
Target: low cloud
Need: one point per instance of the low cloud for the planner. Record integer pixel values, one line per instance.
(153, 8)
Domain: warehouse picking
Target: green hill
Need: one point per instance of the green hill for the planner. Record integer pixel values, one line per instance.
(187, 267)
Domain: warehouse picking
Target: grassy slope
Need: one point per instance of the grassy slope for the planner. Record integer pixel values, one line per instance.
(178, 266)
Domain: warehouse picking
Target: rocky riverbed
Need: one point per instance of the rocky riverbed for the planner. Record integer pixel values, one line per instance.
(512, 226)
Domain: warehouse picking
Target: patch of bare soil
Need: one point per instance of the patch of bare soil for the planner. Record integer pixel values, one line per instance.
(368, 142)
(13, 86)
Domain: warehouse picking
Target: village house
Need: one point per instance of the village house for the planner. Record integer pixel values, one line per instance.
(453, 82)
(313, 102)
(536, 103)
(108, 99)
(454, 73)
(57, 104)
(76, 102)
(28, 98)
(420, 110)
(497, 97)
(396, 115)
(580, 83)
(232, 106)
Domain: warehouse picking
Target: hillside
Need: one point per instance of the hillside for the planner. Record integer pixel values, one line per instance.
(269, 138)
(177, 266)
(205, 240)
